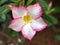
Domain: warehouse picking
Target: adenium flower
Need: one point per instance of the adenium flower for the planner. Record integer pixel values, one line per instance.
(27, 20)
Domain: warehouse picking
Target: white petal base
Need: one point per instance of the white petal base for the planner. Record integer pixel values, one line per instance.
(16, 25)
(28, 32)
(38, 25)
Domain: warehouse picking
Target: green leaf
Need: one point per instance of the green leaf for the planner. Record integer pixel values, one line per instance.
(48, 22)
(57, 37)
(43, 4)
(51, 20)
(46, 18)
(13, 4)
(29, 1)
(2, 1)
(6, 22)
(57, 9)
(2, 17)
(22, 2)
(4, 9)
(15, 1)
(12, 33)
(18, 2)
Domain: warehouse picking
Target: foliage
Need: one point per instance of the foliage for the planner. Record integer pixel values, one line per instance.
(5, 13)
(57, 9)
(57, 37)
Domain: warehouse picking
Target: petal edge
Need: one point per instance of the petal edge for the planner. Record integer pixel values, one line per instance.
(16, 25)
(38, 25)
(18, 11)
(28, 32)
(35, 10)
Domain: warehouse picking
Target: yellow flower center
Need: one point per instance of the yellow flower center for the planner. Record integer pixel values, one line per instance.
(27, 19)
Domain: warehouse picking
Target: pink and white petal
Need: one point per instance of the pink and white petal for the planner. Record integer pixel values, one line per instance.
(35, 10)
(18, 11)
(38, 25)
(28, 32)
(16, 25)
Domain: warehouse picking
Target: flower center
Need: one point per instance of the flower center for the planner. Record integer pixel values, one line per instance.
(27, 19)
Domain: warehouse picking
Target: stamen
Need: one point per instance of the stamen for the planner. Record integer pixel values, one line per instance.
(27, 19)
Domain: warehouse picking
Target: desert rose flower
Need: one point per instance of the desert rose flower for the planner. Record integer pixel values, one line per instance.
(27, 20)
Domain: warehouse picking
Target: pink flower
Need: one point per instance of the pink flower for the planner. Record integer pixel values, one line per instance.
(27, 20)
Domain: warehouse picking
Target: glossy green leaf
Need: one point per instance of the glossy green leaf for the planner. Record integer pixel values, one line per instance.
(51, 20)
(4, 9)
(57, 10)
(29, 1)
(2, 17)
(15, 1)
(43, 4)
(13, 4)
(12, 33)
(46, 18)
(22, 2)
(48, 22)
(6, 22)
(2, 1)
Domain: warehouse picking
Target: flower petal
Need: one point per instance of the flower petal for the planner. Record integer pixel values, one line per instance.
(38, 25)
(35, 10)
(16, 25)
(18, 11)
(28, 32)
